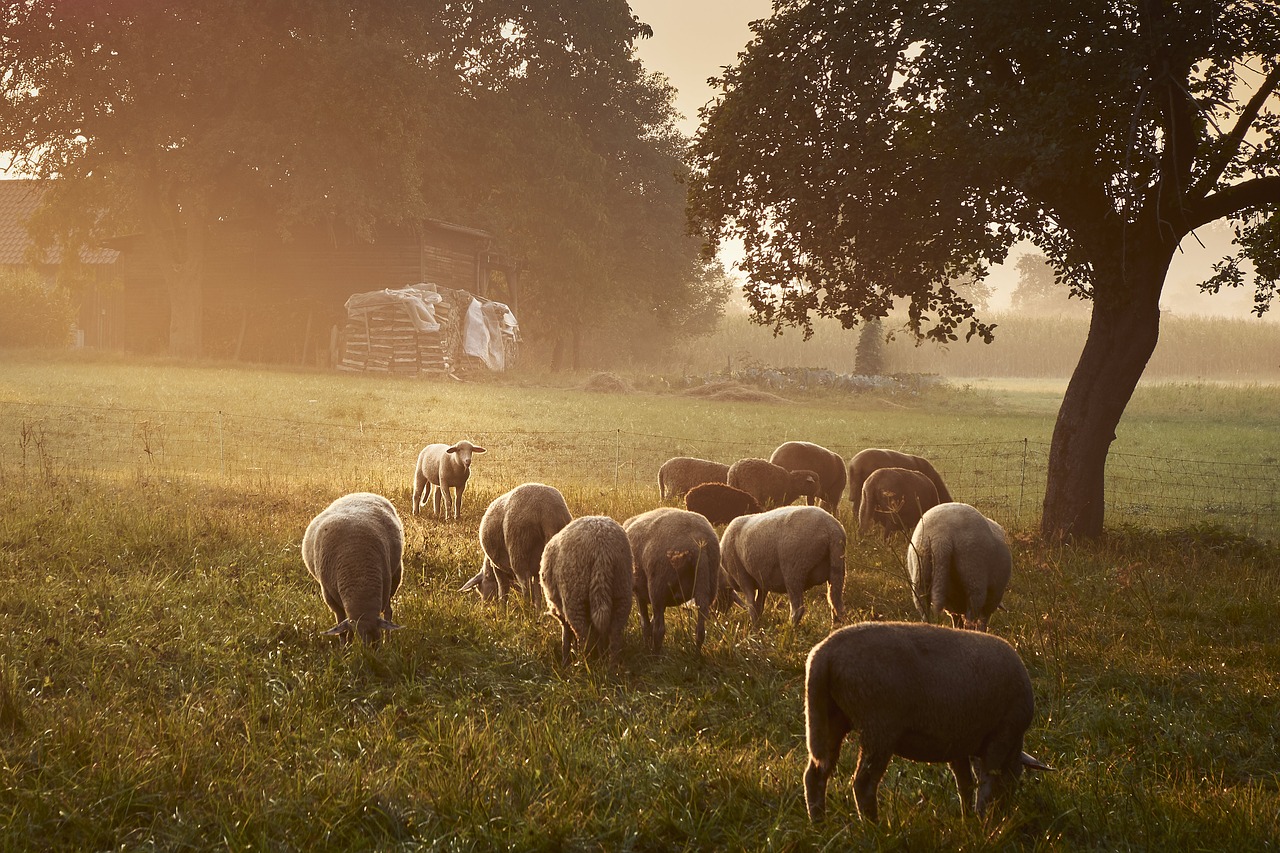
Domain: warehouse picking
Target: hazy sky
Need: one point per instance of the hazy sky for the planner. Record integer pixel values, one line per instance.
(693, 39)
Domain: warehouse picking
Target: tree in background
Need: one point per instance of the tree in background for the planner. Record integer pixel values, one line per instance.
(1038, 291)
(870, 355)
(927, 137)
(33, 313)
(532, 119)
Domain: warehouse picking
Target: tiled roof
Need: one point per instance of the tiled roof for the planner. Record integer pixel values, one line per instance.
(18, 200)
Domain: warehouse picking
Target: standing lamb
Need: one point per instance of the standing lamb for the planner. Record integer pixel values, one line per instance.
(677, 476)
(587, 579)
(513, 533)
(827, 464)
(959, 561)
(354, 549)
(772, 485)
(895, 498)
(786, 550)
(925, 693)
(865, 462)
(720, 503)
(443, 468)
(677, 558)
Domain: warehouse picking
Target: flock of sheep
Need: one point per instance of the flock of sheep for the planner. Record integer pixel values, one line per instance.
(921, 691)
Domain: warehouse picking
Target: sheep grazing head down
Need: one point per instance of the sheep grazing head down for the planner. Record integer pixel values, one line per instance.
(463, 451)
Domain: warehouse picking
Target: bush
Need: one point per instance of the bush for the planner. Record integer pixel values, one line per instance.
(33, 313)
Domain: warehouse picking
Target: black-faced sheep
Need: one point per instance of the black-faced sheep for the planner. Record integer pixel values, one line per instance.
(676, 558)
(513, 533)
(720, 503)
(587, 580)
(865, 462)
(772, 485)
(827, 464)
(895, 499)
(959, 561)
(444, 468)
(677, 476)
(925, 693)
(786, 550)
(353, 548)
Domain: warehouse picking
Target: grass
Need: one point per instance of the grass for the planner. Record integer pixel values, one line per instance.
(163, 683)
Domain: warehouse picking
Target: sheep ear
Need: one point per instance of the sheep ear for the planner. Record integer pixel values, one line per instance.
(453, 449)
(387, 625)
(341, 628)
(1033, 763)
(478, 450)
(473, 583)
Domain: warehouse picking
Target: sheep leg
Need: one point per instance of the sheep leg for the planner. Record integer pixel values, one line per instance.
(700, 628)
(822, 763)
(646, 625)
(796, 597)
(659, 627)
(964, 782)
(457, 500)
(435, 499)
(566, 640)
(866, 779)
(835, 594)
(757, 604)
(419, 488)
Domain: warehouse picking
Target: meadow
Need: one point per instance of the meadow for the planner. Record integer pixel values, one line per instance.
(163, 681)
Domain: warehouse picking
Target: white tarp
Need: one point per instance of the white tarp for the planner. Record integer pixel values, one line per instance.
(419, 300)
(483, 331)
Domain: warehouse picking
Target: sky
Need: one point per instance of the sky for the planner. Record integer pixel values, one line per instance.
(694, 39)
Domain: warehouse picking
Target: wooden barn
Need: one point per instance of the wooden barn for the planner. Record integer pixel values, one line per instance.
(270, 300)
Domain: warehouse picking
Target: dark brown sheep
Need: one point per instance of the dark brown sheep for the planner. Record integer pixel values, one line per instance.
(895, 498)
(827, 464)
(677, 476)
(720, 503)
(873, 458)
(772, 485)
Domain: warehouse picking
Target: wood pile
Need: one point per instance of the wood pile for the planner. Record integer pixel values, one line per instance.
(386, 340)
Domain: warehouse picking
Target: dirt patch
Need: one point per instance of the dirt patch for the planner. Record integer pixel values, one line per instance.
(734, 392)
(607, 383)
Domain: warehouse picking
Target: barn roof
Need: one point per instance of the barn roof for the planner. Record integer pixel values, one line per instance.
(19, 199)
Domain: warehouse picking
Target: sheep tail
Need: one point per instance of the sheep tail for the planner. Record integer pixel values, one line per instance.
(600, 595)
(817, 678)
(941, 554)
(866, 512)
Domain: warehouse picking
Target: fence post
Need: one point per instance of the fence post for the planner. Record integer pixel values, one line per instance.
(617, 460)
(1022, 485)
(222, 447)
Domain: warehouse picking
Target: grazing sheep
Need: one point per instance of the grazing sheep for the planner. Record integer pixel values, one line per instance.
(959, 561)
(677, 476)
(677, 558)
(895, 498)
(865, 462)
(827, 464)
(771, 484)
(353, 548)
(925, 693)
(786, 550)
(444, 468)
(720, 503)
(513, 533)
(586, 577)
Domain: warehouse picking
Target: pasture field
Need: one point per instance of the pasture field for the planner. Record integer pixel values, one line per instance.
(163, 683)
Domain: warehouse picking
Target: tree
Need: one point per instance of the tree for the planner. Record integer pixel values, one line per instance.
(530, 117)
(867, 149)
(1038, 292)
(869, 359)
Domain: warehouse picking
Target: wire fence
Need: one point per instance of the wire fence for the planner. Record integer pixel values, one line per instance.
(1004, 479)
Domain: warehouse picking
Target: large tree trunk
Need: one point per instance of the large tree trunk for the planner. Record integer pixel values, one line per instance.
(1122, 335)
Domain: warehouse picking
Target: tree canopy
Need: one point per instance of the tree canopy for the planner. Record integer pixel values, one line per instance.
(872, 150)
(532, 119)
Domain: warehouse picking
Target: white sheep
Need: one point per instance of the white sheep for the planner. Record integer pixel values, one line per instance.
(513, 533)
(786, 550)
(587, 579)
(923, 692)
(353, 548)
(772, 485)
(676, 558)
(444, 468)
(959, 561)
(677, 476)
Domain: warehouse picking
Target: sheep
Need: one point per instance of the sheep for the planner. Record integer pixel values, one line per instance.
(444, 468)
(959, 561)
(513, 533)
(676, 558)
(677, 476)
(895, 498)
(772, 484)
(720, 503)
(786, 550)
(827, 464)
(587, 579)
(353, 548)
(865, 462)
(923, 692)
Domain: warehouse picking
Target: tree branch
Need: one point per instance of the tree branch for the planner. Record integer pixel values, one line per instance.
(1258, 192)
(1236, 136)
